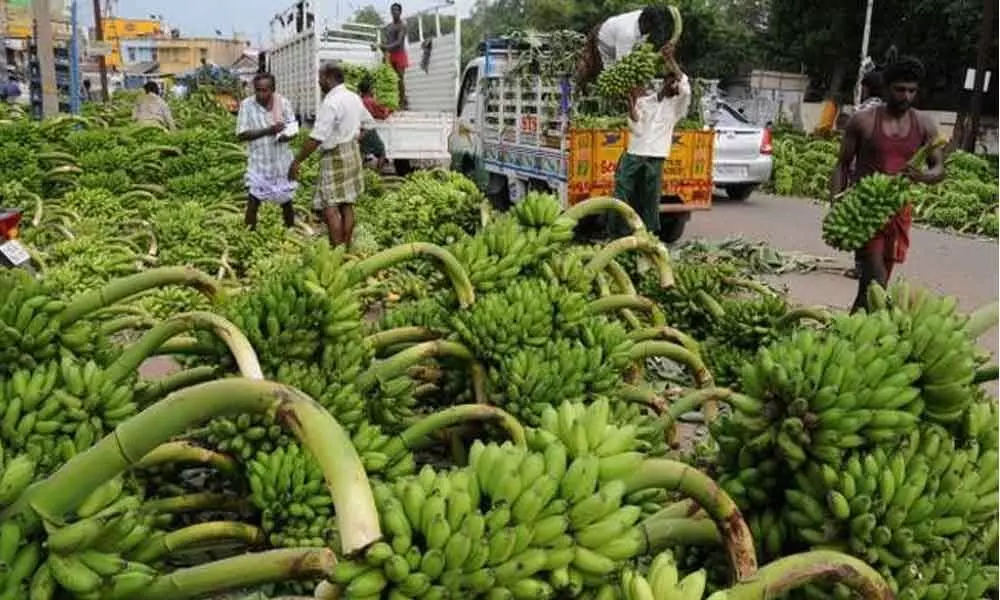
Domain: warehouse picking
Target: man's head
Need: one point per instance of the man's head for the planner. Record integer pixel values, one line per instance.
(653, 23)
(365, 86)
(396, 10)
(902, 81)
(86, 84)
(671, 84)
(330, 76)
(263, 88)
(151, 87)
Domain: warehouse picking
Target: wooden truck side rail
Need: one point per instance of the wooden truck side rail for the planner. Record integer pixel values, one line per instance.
(687, 172)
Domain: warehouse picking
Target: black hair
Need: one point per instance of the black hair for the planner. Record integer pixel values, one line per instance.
(396, 5)
(904, 69)
(86, 83)
(365, 85)
(269, 78)
(873, 81)
(151, 87)
(654, 21)
(332, 70)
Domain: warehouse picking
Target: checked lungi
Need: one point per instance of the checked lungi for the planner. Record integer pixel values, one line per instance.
(341, 176)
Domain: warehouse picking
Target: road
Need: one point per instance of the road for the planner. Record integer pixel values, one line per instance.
(963, 267)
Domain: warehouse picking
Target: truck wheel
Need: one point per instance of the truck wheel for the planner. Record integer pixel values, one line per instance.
(402, 167)
(740, 192)
(671, 228)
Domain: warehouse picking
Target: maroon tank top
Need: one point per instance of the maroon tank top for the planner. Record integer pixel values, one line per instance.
(887, 154)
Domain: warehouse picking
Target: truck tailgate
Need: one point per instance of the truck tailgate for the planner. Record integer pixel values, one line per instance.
(416, 135)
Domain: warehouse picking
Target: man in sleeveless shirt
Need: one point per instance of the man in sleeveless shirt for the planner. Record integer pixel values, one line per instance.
(883, 140)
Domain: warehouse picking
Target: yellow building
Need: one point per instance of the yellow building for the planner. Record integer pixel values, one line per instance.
(116, 29)
(179, 55)
(20, 21)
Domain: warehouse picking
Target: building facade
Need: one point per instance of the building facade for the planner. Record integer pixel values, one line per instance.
(180, 55)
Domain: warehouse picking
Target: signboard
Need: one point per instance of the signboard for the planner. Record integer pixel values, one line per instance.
(98, 49)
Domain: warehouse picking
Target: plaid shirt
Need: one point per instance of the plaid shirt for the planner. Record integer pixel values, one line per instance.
(266, 156)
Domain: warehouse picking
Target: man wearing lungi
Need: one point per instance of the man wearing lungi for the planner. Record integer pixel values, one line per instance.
(339, 124)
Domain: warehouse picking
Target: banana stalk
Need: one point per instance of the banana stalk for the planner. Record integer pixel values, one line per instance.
(669, 533)
(449, 265)
(696, 399)
(595, 206)
(986, 374)
(119, 310)
(982, 320)
(155, 390)
(238, 344)
(398, 364)
(625, 286)
(127, 322)
(816, 313)
(749, 284)
(189, 453)
(317, 430)
(679, 354)
(400, 335)
(245, 571)
(783, 575)
(187, 503)
(200, 534)
(653, 250)
(645, 397)
(184, 345)
(669, 334)
(124, 287)
(673, 475)
(618, 302)
(421, 433)
(603, 290)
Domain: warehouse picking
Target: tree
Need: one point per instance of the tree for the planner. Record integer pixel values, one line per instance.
(368, 15)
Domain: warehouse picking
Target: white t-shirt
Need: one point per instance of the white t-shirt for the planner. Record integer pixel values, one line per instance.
(618, 36)
(340, 118)
(653, 132)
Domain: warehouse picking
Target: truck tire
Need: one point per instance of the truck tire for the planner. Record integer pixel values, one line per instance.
(671, 228)
(740, 192)
(402, 167)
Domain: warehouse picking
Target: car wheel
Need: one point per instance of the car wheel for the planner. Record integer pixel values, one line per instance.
(740, 192)
(671, 229)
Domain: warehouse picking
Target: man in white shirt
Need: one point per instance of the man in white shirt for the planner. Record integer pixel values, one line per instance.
(262, 123)
(152, 109)
(610, 41)
(339, 123)
(652, 118)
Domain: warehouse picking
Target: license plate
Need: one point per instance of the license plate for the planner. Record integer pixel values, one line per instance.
(15, 253)
(730, 172)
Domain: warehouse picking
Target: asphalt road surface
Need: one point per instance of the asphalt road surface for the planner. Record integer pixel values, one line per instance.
(959, 266)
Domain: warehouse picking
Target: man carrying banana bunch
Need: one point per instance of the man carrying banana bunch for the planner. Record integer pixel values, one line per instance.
(652, 118)
(616, 36)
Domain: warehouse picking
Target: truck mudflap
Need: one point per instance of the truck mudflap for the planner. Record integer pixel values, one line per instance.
(687, 172)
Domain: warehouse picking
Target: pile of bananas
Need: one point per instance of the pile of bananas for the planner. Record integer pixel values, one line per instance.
(529, 524)
(864, 211)
(635, 70)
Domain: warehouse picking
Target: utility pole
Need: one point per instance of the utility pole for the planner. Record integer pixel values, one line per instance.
(982, 57)
(46, 58)
(102, 65)
(865, 38)
(74, 61)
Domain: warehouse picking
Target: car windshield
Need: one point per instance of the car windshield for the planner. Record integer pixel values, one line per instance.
(727, 116)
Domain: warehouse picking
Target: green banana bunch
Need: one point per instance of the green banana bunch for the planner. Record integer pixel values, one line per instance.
(662, 582)
(537, 210)
(245, 435)
(384, 456)
(287, 486)
(635, 69)
(863, 211)
(941, 346)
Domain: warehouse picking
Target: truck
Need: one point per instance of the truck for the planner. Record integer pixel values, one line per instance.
(312, 32)
(516, 133)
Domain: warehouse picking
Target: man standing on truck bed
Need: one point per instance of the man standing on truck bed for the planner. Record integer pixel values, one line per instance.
(652, 118)
(395, 48)
(371, 143)
(340, 121)
(611, 40)
(883, 140)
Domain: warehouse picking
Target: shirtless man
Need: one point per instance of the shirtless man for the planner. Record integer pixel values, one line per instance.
(395, 48)
(883, 140)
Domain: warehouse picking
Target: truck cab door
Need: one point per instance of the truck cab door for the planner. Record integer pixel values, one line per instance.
(464, 142)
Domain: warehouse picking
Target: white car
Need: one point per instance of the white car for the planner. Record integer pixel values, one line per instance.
(743, 158)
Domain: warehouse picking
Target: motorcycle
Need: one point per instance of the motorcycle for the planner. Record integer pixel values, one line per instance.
(13, 254)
